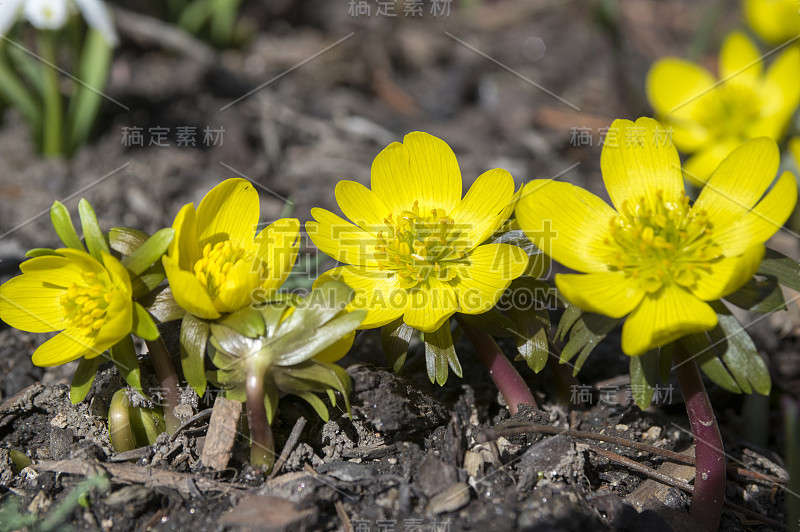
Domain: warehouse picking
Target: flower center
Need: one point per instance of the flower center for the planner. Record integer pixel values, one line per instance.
(417, 245)
(731, 110)
(661, 242)
(85, 304)
(213, 268)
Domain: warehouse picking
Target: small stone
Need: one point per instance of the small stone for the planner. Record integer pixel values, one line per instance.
(451, 499)
(435, 476)
(652, 434)
(264, 512)
(622, 428)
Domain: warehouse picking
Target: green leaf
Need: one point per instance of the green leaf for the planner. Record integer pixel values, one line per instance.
(194, 337)
(297, 346)
(492, 322)
(763, 296)
(125, 241)
(585, 333)
(272, 313)
(18, 95)
(271, 398)
(316, 403)
(92, 234)
(439, 353)
(699, 348)
(162, 305)
(780, 267)
(532, 342)
(318, 307)
(40, 252)
(62, 223)
(395, 338)
(739, 353)
(143, 325)
(149, 252)
(83, 378)
(124, 356)
(246, 321)
(571, 315)
(148, 281)
(644, 376)
(93, 71)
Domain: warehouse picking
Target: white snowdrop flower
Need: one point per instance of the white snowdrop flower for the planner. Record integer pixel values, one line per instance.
(53, 14)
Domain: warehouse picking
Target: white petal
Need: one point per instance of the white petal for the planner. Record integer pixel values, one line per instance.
(9, 13)
(98, 17)
(47, 14)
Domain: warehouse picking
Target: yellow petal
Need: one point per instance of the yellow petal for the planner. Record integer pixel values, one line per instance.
(481, 211)
(64, 271)
(429, 307)
(185, 248)
(278, 244)
(488, 271)
(698, 168)
(375, 291)
(739, 182)
(610, 293)
(665, 316)
(118, 274)
(341, 240)
(739, 60)
(775, 21)
(238, 289)
(675, 86)
(118, 324)
(781, 91)
(336, 350)
(728, 275)
(766, 218)
(62, 348)
(639, 159)
(794, 149)
(362, 206)
(423, 168)
(228, 212)
(188, 292)
(688, 135)
(566, 222)
(27, 303)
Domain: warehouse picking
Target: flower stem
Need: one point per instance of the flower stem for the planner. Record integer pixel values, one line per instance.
(262, 444)
(709, 479)
(167, 379)
(52, 126)
(505, 376)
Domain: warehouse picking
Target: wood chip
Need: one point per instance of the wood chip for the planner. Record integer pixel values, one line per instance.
(222, 432)
(265, 512)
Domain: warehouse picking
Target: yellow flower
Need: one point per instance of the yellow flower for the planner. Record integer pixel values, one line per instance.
(217, 264)
(72, 292)
(414, 249)
(657, 257)
(775, 21)
(794, 149)
(709, 118)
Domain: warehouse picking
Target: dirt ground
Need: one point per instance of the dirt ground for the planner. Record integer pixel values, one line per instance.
(311, 100)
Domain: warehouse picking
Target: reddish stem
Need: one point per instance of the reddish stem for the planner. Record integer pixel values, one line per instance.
(262, 444)
(168, 381)
(709, 479)
(503, 373)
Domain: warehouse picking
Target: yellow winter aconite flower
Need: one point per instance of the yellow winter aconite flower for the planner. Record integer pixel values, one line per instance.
(414, 247)
(217, 263)
(72, 292)
(710, 117)
(655, 256)
(775, 21)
